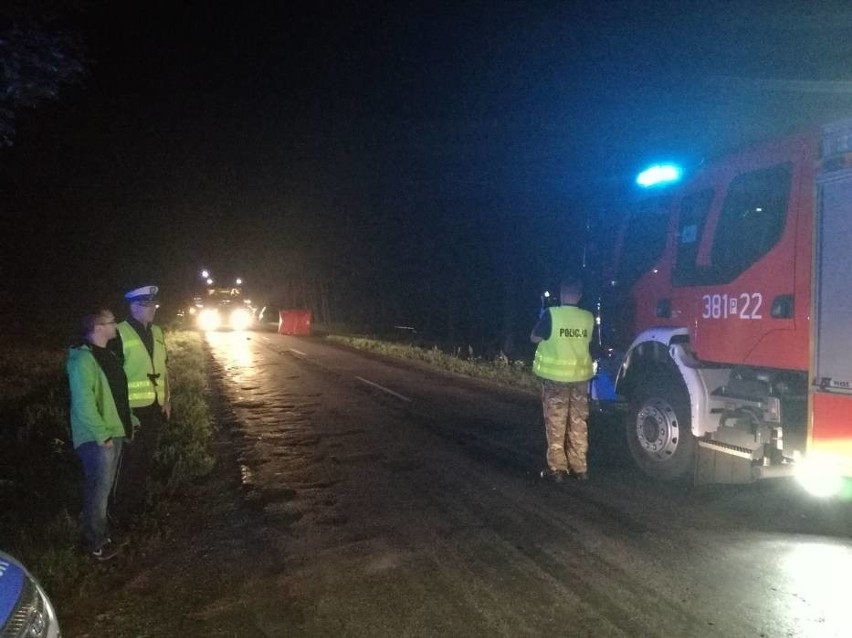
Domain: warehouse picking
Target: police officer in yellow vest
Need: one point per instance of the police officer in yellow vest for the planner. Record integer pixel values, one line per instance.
(142, 348)
(564, 366)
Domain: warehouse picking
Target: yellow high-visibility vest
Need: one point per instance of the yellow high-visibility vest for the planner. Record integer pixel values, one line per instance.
(147, 378)
(564, 357)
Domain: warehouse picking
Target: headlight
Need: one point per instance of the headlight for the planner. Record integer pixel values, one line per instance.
(30, 613)
(209, 319)
(240, 319)
(820, 474)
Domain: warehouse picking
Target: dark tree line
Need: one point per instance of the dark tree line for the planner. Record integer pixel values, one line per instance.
(39, 54)
(458, 276)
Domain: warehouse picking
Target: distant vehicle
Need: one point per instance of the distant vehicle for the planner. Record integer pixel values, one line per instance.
(221, 307)
(25, 609)
(734, 304)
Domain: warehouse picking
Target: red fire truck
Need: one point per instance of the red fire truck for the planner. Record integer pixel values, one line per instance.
(736, 306)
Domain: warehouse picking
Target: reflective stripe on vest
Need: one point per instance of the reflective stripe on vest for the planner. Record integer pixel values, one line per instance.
(139, 366)
(564, 357)
(140, 393)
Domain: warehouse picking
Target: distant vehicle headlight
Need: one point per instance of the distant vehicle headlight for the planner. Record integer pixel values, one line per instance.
(25, 609)
(209, 319)
(240, 318)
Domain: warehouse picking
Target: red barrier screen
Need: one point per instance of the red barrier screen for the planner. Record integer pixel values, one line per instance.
(294, 322)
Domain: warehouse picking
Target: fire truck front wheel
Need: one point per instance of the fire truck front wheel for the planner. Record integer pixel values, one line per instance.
(658, 428)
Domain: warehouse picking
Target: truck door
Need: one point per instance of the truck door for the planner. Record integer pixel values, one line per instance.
(745, 264)
(831, 399)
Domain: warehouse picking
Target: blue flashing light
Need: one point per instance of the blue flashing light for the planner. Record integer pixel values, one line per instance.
(659, 175)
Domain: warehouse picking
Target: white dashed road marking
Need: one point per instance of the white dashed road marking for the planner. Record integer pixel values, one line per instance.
(383, 389)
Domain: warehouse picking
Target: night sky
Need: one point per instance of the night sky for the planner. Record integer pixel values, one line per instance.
(426, 164)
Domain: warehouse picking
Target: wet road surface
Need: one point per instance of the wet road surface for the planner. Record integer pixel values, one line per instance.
(401, 502)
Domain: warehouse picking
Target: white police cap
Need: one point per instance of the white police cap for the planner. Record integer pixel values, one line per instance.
(145, 293)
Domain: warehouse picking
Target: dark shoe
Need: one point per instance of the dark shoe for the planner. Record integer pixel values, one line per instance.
(580, 476)
(105, 552)
(557, 476)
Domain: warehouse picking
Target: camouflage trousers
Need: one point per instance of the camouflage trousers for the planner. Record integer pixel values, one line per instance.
(566, 409)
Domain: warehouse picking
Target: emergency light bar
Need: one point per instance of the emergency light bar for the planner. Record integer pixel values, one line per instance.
(658, 174)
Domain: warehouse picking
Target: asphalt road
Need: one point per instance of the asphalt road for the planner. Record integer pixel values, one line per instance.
(402, 502)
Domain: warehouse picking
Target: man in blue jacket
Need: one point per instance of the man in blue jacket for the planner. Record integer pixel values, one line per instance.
(100, 421)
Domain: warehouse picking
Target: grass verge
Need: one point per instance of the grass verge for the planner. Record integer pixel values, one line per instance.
(41, 488)
(515, 374)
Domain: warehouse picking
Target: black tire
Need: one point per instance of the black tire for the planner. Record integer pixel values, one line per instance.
(658, 428)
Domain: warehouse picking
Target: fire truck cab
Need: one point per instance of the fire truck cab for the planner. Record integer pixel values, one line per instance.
(738, 362)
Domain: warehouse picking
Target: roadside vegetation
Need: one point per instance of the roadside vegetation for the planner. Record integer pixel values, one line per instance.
(500, 369)
(40, 485)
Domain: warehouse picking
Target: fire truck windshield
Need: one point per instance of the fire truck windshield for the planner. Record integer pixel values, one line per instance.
(644, 238)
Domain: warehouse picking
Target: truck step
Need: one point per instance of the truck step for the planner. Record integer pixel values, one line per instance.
(728, 448)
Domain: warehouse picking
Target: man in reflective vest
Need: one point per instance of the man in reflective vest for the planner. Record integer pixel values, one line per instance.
(564, 366)
(142, 348)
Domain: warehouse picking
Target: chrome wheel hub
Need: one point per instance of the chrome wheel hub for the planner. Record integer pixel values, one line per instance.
(657, 429)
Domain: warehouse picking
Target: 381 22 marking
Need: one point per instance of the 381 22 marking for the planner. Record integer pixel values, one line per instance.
(746, 305)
